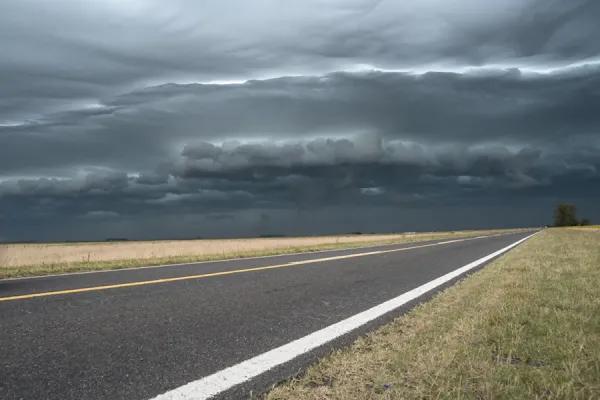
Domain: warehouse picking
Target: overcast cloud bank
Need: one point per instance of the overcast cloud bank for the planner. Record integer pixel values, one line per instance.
(153, 119)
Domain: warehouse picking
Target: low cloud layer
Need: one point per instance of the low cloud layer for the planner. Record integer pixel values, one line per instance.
(151, 120)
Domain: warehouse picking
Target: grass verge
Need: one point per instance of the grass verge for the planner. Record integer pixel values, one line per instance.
(525, 327)
(50, 268)
(586, 227)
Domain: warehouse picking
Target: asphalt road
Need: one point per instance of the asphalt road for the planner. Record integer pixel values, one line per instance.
(136, 342)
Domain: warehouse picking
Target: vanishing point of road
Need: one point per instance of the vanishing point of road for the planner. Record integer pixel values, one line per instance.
(225, 329)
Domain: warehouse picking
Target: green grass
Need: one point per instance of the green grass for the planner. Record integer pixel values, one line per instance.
(525, 327)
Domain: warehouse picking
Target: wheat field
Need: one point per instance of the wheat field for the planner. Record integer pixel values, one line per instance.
(14, 255)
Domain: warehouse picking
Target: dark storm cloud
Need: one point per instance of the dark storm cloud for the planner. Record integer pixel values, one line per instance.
(314, 173)
(147, 129)
(59, 56)
(345, 112)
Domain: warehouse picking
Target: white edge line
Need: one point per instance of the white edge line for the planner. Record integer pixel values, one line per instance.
(209, 386)
(235, 259)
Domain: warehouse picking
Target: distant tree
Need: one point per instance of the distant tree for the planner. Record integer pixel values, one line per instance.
(585, 222)
(564, 215)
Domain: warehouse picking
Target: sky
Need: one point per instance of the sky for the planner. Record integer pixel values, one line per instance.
(146, 119)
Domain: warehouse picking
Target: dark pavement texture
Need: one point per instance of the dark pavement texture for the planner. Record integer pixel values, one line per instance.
(137, 342)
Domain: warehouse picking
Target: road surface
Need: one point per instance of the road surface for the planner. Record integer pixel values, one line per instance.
(138, 334)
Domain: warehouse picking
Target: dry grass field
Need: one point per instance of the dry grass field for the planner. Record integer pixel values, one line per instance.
(527, 326)
(40, 259)
(587, 228)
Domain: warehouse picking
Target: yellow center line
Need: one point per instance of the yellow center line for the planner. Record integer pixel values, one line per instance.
(208, 275)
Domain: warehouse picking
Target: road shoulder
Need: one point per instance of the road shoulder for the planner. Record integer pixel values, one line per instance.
(526, 326)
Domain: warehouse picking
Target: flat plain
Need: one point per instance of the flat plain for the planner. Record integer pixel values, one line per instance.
(138, 333)
(18, 260)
